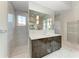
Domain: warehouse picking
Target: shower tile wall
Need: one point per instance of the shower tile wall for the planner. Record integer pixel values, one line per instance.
(72, 32)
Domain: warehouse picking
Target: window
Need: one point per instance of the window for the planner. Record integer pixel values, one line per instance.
(21, 20)
(10, 17)
(10, 22)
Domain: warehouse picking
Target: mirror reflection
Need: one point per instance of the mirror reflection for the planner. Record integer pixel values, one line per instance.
(40, 21)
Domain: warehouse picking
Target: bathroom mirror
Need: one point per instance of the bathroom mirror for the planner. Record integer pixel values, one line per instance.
(40, 21)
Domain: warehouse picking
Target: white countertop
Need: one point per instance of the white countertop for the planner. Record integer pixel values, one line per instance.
(41, 34)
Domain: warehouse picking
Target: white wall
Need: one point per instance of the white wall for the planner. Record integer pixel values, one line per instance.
(75, 8)
(57, 24)
(4, 26)
(3, 12)
(65, 17)
(73, 28)
(68, 16)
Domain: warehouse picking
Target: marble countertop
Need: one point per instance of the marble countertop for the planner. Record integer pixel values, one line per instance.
(40, 34)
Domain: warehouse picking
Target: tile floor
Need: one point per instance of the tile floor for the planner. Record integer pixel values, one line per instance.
(65, 52)
(68, 50)
(19, 52)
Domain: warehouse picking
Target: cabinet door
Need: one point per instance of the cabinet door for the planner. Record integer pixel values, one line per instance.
(35, 49)
(42, 45)
(56, 43)
(39, 48)
(51, 43)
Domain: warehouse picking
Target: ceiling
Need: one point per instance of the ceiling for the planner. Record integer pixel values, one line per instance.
(20, 5)
(55, 6)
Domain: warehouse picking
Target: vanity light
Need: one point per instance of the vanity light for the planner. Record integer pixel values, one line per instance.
(37, 19)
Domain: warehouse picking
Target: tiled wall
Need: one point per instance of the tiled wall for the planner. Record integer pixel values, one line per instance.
(72, 32)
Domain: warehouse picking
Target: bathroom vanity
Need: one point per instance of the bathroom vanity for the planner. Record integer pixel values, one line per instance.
(42, 34)
(45, 44)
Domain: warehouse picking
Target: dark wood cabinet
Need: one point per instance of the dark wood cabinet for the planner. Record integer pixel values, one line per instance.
(44, 46)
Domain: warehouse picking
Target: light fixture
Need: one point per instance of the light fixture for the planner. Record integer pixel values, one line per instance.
(37, 19)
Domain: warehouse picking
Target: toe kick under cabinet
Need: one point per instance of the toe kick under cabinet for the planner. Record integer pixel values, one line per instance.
(44, 46)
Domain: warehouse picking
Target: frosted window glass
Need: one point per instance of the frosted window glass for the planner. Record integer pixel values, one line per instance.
(10, 17)
(21, 21)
